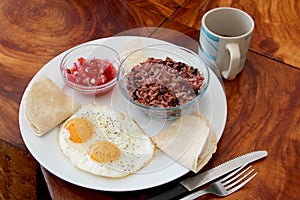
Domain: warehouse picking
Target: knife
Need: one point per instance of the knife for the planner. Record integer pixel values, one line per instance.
(194, 182)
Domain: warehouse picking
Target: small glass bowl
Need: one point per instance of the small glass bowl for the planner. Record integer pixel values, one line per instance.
(162, 51)
(90, 51)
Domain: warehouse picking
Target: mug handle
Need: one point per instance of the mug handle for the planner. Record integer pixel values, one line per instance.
(235, 56)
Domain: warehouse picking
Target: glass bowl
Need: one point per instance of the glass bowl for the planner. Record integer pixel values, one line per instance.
(163, 87)
(90, 69)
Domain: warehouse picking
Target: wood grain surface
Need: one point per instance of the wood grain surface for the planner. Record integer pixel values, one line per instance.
(276, 24)
(263, 101)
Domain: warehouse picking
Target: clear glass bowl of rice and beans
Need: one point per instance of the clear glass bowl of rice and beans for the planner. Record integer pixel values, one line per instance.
(163, 80)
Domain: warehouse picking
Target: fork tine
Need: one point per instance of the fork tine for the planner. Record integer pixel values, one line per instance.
(232, 173)
(236, 177)
(242, 184)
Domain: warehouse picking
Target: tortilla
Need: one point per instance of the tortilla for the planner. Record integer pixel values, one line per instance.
(46, 105)
(190, 140)
(129, 47)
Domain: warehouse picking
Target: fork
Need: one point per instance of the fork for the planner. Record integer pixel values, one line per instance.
(226, 185)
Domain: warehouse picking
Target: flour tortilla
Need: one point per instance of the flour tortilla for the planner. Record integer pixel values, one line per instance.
(190, 140)
(46, 106)
(129, 46)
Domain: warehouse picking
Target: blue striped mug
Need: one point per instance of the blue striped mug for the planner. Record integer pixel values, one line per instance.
(224, 39)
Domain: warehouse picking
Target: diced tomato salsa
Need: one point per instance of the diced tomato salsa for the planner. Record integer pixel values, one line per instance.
(91, 72)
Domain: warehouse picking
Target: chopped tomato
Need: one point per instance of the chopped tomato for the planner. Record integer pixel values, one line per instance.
(110, 72)
(81, 60)
(91, 72)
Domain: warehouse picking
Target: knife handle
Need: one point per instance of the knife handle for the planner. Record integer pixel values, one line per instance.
(171, 193)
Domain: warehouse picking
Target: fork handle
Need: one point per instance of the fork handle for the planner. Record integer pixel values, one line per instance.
(195, 194)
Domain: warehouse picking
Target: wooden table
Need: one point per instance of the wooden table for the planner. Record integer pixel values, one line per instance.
(263, 101)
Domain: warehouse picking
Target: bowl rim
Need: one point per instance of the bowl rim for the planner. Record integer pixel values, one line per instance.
(153, 108)
(89, 88)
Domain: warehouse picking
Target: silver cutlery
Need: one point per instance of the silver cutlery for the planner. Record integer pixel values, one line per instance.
(227, 185)
(186, 186)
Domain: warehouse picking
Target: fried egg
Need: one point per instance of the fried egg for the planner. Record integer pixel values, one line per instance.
(105, 142)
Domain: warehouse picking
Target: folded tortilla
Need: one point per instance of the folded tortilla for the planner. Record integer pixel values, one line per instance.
(129, 46)
(190, 140)
(46, 105)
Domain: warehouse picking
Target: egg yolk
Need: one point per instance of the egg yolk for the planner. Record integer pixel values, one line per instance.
(80, 130)
(104, 151)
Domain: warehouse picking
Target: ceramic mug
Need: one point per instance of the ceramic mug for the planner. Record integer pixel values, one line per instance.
(224, 39)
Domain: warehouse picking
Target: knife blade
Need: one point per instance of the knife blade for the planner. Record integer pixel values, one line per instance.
(194, 182)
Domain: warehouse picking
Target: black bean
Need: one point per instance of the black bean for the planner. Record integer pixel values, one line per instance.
(163, 62)
(194, 71)
(162, 91)
(174, 102)
(151, 73)
(134, 96)
(170, 64)
(138, 78)
(182, 64)
(178, 67)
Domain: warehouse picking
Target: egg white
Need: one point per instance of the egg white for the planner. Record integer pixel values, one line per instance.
(137, 149)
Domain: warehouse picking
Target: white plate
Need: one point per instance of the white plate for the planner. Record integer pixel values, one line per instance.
(160, 170)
